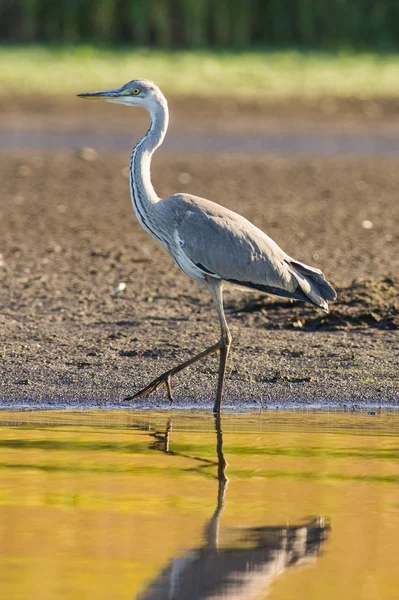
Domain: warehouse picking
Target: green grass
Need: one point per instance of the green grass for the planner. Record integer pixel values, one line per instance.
(259, 74)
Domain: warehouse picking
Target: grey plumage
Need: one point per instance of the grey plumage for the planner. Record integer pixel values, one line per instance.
(225, 245)
(209, 242)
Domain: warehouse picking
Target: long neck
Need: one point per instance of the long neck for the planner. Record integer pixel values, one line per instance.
(142, 191)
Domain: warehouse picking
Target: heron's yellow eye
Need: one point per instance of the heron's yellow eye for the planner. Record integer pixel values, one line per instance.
(136, 91)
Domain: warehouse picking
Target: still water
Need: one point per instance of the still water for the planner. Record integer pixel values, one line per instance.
(182, 506)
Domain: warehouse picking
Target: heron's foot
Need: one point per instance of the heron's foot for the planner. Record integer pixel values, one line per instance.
(163, 379)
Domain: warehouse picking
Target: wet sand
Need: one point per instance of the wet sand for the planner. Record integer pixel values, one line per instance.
(69, 237)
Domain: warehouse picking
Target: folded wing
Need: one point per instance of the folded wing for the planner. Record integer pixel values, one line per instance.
(226, 245)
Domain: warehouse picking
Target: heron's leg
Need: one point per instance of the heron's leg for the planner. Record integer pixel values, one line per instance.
(223, 345)
(215, 286)
(164, 379)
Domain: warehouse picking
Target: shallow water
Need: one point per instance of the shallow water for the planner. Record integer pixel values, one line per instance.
(137, 505)
(363, 144)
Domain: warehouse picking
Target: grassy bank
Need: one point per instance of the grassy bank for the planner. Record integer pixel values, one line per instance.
(67, 70)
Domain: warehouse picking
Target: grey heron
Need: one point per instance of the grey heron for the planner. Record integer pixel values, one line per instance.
(210, 243)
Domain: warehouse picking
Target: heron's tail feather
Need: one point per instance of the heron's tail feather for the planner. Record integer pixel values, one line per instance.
(312, 283)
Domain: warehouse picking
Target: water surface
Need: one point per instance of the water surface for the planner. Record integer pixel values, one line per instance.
(137, 505)
(340, 143)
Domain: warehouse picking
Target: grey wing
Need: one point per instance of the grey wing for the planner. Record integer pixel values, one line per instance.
(231, 248)
(226, 245)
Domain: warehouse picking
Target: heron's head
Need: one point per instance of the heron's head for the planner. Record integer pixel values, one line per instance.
(138, 92)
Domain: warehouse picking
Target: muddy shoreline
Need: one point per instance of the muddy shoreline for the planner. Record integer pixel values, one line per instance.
(69, 238)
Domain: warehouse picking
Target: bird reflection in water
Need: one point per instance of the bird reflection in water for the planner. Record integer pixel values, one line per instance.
(245, 567)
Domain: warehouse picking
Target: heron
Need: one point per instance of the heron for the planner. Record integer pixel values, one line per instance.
(210, 243)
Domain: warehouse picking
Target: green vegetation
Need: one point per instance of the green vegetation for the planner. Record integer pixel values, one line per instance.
(260, 74)
(205, 23)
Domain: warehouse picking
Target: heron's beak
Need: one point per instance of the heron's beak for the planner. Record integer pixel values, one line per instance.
(105, 95)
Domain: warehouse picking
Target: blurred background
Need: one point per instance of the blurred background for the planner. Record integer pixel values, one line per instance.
(253, 49)
(330, 24)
